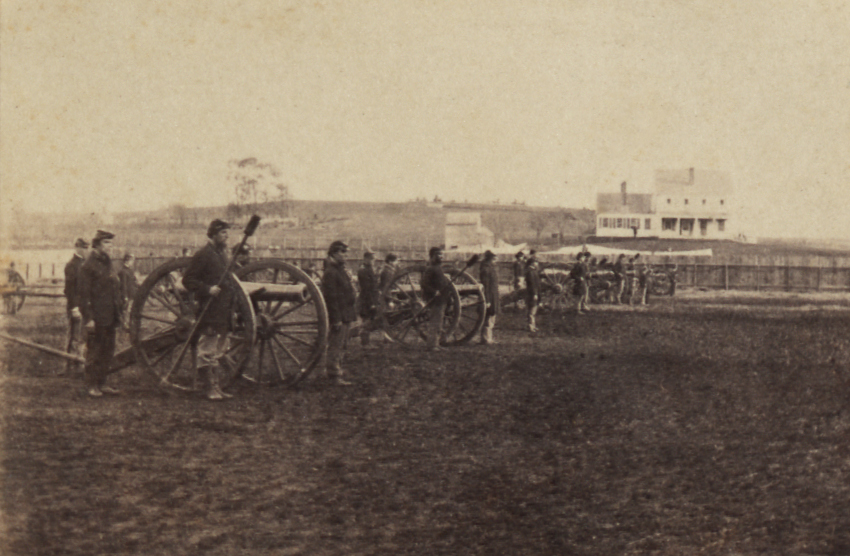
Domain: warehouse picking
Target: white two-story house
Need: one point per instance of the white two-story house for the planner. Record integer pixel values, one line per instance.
(689, 203)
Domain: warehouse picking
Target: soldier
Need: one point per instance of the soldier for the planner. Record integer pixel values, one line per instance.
(76, 338)
(388, 271)
(488, 273)
(369, 298)
(339, 297)
(631, 276)
(619, 269)
(519, 270)
(436, 289)
(129, 284)
(532, 290)
(101, 303)
(205, 278)
(580, 273)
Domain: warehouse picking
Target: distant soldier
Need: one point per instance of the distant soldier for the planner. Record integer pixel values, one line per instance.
(101, 303)
(488, 274)
(619, 269)
(76, 338)
(644, 273)
(532, 291)
(369, 299)
(580, 273)
(631, 276)
(129, 283)
(436, 289)
(205, 277)
(519, 270)
(388, 272)
(338, 292)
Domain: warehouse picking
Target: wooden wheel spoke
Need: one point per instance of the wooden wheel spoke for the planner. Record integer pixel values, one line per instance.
(279, 325)
(175, 292)
(291, 310)
(293, 338)
(288, 352)
(157, 319)
(277, 364)
(156, 295)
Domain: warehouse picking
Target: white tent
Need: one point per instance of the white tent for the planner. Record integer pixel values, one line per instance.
(501, 248)
(603, 251)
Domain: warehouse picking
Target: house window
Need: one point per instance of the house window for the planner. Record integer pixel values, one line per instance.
(635, 223)
(686, 226)
(668, 224)
(703, 226)
(721, 225)
(619, 222)
(646, 223)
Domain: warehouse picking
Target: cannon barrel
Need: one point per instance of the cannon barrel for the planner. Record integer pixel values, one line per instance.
(293, 293)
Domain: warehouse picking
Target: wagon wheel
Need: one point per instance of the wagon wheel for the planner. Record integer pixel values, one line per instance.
(660, 283)
(473, 309)
(162, 317)
(556, 288)
(404, 313)
(292, 322)
(13, 301)
(602, 284)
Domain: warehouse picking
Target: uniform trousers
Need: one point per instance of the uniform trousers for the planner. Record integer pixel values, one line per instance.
(337, 338)
(100, 347)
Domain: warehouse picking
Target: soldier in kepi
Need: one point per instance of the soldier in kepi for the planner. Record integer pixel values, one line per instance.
(436, 289)
(338, 292)
(489, 276)
(205, 277)
(532, 290)
(76, 339)
(369, 300)
(101, 303)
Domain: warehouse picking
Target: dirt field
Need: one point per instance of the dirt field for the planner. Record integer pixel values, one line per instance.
(702, 425)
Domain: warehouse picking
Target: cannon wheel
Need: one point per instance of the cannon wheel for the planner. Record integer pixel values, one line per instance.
(13, 300)
(660, 283)
(162, 317)
(404, 315)
(556, 288)
(291, 333)
(473, 309)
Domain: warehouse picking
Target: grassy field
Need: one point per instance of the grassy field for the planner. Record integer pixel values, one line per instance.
(699, 425)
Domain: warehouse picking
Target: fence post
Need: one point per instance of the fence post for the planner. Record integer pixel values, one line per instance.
(39, 270)
(758, 280)
(726, 276)
(695, 274)
(819, 274)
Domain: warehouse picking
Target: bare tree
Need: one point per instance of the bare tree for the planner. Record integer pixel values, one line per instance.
(538, 222)
(179, 213)
(258, 185)
(565, 220)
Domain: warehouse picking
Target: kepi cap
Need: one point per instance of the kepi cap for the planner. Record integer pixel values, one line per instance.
(81, 242)
(337, 247)
(216, 226)
(100, 235)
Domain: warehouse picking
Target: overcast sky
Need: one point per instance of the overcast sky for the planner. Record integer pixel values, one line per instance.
(134, 104)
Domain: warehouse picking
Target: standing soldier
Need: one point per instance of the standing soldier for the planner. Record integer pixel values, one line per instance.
(489, 276)
(388, 272)
(205, 278)
(102, 305)
(339, 297)
(129, 284)
(580, 273)
(369, 297)
(631, 275)
(532, 290)
(619, 269)
(76, 339)
(519, 270)
(435, 291)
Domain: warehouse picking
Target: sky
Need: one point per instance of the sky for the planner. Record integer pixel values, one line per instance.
(114, 105)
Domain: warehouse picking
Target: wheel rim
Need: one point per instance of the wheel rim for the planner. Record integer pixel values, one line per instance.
(292, 322)
(162, 318)
(404, 313)
(557, 288)
(472, 310)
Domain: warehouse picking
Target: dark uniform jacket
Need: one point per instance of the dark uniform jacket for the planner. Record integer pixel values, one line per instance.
(532, 281)
(100, 294)
(387, 275)
(129, 284)
(72, 281)
(434, 282)
(338, 293)
(206, 270)
(368, 283)
(489, 276)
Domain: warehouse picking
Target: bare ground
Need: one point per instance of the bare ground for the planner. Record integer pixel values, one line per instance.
(686, 428)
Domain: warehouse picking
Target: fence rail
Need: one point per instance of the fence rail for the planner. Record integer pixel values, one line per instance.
(756, 277)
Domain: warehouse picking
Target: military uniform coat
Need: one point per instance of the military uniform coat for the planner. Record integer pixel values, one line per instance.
(101, 299)
(338, 292)
(72, 281)
(368, 283)
(206, 270)
(489, 276)
(434, 281)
